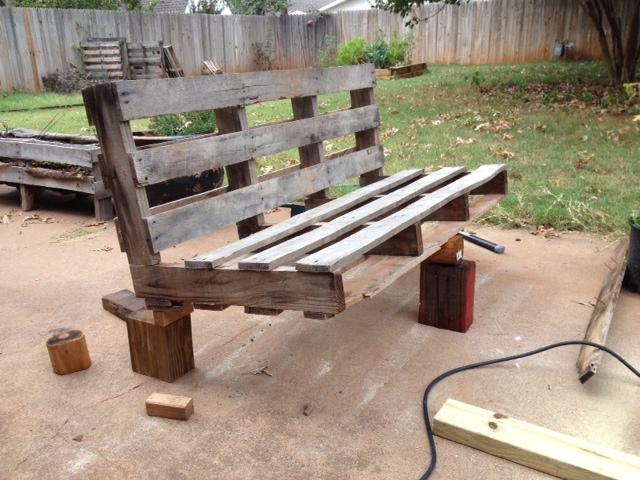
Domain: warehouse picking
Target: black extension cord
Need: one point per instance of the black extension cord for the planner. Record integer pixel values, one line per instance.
(425, 399)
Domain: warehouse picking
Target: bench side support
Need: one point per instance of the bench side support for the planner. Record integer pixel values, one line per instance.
(234, 119)
(366, 138)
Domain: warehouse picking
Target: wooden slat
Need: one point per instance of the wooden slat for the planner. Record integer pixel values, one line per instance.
(348, 251)
(366, 138)
(178, 95)
(191, 156)
(117, 145)
(312, 153)
(280, 289)
(376, 272)
(598, 329)
(292, 249)
(299, 222)
(43, 177)
(536, 447)
(242, 174)
(44, 151)
(183, 223)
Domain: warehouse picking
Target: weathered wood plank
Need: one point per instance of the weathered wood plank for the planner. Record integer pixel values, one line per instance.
(183, 223)
(192, 156)
(598, 329)
(366, 138)
(42, 177)
(117, 145)
(283, 289)
(376, 272)
(348, 251)
(45, 151)
(292, 249)
(536, 447)
(243, 174)
(299, 222)
(178, 95)
(313, 153)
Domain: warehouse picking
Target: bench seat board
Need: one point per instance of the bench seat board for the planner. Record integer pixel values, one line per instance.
(189, 221)
(148, 98)
(284, 289)
(288, 289)
(299, 222)
(376, 272)
(301, 244)
(348, 251)
(192, 156)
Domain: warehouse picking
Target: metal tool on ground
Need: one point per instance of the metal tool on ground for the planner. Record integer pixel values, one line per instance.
(482, 242)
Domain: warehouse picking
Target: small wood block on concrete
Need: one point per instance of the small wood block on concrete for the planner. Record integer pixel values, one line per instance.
(450, 253)
(446, 295)
(68, 352)
(169, 406)
(557, 454)
(598, 329)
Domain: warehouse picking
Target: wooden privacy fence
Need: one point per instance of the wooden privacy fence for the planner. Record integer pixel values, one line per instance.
(38, 42)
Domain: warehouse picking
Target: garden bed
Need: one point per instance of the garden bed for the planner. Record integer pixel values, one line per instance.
(404, 71)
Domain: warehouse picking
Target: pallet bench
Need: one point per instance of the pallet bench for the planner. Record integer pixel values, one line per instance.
(322, 261)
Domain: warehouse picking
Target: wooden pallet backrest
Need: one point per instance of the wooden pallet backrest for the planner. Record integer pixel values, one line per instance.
(146, 231)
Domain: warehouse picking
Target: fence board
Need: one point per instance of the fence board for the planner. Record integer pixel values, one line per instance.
(496, 31)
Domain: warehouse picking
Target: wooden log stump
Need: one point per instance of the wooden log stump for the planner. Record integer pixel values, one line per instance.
(68, 352)
(161, 351)
(446, 295)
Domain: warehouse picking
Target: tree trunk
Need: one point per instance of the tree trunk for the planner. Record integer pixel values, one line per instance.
(611, 23)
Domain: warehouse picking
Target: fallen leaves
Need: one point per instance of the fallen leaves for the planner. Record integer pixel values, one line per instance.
(545, 232)
(35, 218)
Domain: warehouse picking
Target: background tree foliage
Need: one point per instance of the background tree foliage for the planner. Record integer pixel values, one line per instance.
(257, 7)
(617, 23)
(81, 4)
(211, 7)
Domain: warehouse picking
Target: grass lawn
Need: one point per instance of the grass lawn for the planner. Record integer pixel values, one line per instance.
(571, 146)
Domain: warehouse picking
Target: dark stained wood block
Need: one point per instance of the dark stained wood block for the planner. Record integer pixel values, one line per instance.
(163, 352)
(446, 295)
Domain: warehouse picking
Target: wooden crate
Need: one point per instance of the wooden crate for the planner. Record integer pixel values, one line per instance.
(405, 71)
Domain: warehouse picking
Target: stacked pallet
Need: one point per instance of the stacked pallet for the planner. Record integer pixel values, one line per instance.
(104, 58)
(145, 60)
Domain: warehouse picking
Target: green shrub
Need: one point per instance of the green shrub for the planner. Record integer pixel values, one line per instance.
(400, 50)
(184, 124)
(378, 53)
(354, 52)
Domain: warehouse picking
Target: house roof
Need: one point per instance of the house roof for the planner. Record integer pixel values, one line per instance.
(308, 5)
(169, 6)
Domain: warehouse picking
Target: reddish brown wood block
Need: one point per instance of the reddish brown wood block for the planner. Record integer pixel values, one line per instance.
(446, 295)
(164, 352)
